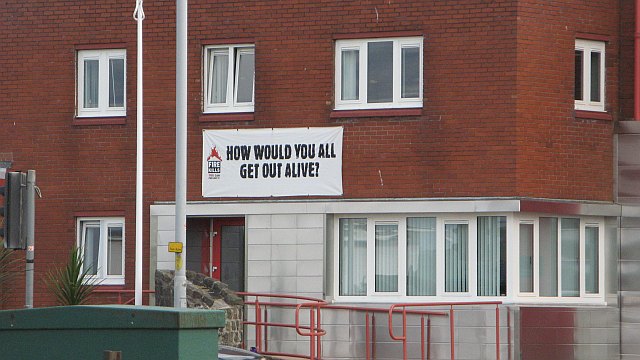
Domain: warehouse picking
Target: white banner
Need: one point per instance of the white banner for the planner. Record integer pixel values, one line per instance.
(272, 162)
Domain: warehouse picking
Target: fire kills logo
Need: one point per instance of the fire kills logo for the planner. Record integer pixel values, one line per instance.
(213, 163)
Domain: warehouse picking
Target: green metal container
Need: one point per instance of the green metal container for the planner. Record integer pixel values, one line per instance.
(86, 332)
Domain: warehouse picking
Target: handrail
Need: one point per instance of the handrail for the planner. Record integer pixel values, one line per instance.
(403, 338)
(314, 330)
(311, 331)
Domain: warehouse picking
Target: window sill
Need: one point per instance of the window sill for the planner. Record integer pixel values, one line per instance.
(248, 116)
(107, 282)
(111, 120)
(336, 114)
(595, 115)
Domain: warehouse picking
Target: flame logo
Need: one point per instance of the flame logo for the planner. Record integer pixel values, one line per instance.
(214, 154)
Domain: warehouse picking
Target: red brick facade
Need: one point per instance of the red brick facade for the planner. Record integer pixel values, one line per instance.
(498, 118)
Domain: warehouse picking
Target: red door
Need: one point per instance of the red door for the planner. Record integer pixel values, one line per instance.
(225, 251)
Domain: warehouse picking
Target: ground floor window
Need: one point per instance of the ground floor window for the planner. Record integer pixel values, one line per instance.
(568, 262)
(101, 241)
(466, 255)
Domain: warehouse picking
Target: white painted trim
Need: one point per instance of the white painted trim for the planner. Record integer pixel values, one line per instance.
(231, 105)
(588, 47)
(368, 206)
(101, 277)
(361, 45)
(103, 57)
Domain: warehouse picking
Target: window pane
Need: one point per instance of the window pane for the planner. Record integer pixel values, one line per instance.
(492, 235)
(456, 242)
(116, 82)
(579, 75)
(245, 73)
(350, 76)
(595, 76)
(218, 72)
(410, 72)
(380, 72)
(548, 257)
(386, 257)
(591, 242)
(353, 256)
(421, 256)
(91, 83)
(91, 248)
(114, 238)
(526, 258)
(570, 247)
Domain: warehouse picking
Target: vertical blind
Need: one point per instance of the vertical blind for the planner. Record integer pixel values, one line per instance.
(548, 256)
(456, 237)
(353, 257)
(386, 245)
(421, 256)
(526, 258)
(570, 250)
(491, 255)
(591, 247)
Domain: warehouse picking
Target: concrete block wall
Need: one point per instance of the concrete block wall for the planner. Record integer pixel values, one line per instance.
(285, 254)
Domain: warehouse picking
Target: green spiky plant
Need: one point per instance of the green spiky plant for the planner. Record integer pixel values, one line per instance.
(7, 264)
(71, 284)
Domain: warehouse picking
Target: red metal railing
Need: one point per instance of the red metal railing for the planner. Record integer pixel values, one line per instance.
(314, 330)
(121, 292)
(370, 335)
(404, 307)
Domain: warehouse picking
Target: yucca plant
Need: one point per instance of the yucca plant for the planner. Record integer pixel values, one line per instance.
(72, 284)
(7, 265)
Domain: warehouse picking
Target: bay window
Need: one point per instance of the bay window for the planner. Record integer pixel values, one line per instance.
(458, 256)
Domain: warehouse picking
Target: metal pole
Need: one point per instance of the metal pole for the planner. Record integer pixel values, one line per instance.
(30, 216)
(139, 16)
(179, 289)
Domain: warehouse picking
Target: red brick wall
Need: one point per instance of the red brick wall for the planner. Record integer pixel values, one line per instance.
(486, 129)
(561, 155)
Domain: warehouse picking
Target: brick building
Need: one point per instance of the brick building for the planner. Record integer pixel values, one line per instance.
(486, 151)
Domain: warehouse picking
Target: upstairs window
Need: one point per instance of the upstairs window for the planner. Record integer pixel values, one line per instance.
(229, 78)
(378, 73)
(102, 243)
(101, 83)
(589, 75)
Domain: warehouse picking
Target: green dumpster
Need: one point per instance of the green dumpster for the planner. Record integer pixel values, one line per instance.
(98, 332)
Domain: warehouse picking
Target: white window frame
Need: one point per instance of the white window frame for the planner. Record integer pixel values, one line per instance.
(513, 295)
(103, 109)
(584, 296)
(231, 105)
(361, 45)
(472, 242)
(102, 277)
(588, 47)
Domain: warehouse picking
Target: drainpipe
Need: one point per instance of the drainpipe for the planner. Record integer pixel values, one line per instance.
(636, 87)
